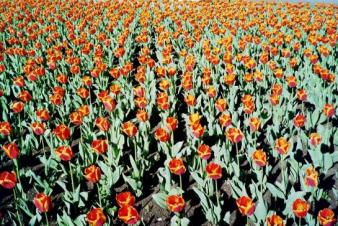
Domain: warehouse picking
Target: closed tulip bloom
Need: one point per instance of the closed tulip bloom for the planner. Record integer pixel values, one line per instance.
(171, 123)
(100, 146)
(176, 166)
(129, 129)
(109, 103)
(299, 120)
(225, 120)
(129, 215)
(17, 106)
(7, 179)
(175, 203)
(12, 150)
(25, 96)
(214, 170)
(83, 110)
(5, 128)
(282, 146)
(315, 139)
(65, 153)
(301, 95)
(254, 124)
(194, 118)
(38, 128)
(197, 130)
(62, 132)
(125, 199)
(245, 205)
(329, 110)
(234, 135)
(96, 217)
(220, 104)
(259, 157)
(274, 220)
(326, 217)
(76, 118)
(204, 151)
(102, 123)
(42, 202)
(300, 208)
(42, 114)
(142, 115)
(311, 177)
(92, 173)
(162, 135)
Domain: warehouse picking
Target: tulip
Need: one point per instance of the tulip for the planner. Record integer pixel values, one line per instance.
(62, 132)
(38, 128)
(274, 220)
(326, 217)
(245, 205)
(175, 203)
(176, 166)
(100, 146)
(125, 199)
(214, 170)
(42, 202)
(129, 215)
(96, 217)
(259, 157)
(204, 151)
(171, 123)
(234, 135)
(5, 128)
(92, 173)
(315, 139)
(328, 110)
(311, 177)
(282, 146)
(300, 208)
(8, 179)
(129, 129)
(102, 123)
(42, 114)
(65, 153)
(162, 135)
(12, 150)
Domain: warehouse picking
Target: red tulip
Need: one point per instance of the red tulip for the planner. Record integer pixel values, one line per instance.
(42, 202)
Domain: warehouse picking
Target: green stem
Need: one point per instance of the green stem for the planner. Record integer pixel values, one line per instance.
(47, 222)
(181, 183)
(98, 194)
(17, 208)
(71, 175)
(217, 194)
(17, 170)
(237, 157)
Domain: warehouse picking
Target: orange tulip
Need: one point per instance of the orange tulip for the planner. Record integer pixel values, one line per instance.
(300, 208)
(75, 118)
(38, 128)
(42, 114)
(274, 220)
(234, 135)
(62, 132)
(129, 215)
(204, 151)
(12, 150)
(65, 153)
(259, 157)
(194, 118)
(311, 177)
(214, 170)
(92, 173)
(162, 135)
(129, 129)
(197, 130)
(171, 123)
(42, 202)
(245, 205)
(17, 106)
(142, 115)
(7, 179)
(100, 146)
(299, 120)
(282, 146)
(315, 139)
(96, 217)
(326, 217)
(5, 128)
(221, 104)
(255, 124)
(125, 199)
(329, 110)
(102, 123)
(175, 203)
(176, 166)
(224, 120)
(301, 95)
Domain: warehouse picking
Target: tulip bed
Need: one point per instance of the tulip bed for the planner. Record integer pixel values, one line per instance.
(168, 113)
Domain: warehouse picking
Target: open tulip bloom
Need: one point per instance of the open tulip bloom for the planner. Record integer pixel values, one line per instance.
(168, 112)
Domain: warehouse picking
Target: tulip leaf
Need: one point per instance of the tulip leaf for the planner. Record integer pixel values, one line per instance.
(160, 199)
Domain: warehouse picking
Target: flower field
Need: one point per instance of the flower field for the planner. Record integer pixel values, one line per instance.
(166, 112)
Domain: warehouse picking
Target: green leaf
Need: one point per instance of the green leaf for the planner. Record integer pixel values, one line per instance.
(160, 199)
(275, 191)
